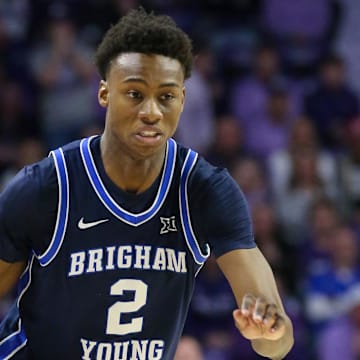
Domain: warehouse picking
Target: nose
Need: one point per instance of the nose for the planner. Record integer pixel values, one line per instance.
(150, 111)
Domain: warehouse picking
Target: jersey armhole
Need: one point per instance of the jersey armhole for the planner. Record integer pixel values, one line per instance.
(62, 211)
(189, 234)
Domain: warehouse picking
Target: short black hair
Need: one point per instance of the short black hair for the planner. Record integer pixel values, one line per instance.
(146, 33)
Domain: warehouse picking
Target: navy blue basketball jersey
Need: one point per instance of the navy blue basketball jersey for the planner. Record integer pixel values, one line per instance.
(110, 274)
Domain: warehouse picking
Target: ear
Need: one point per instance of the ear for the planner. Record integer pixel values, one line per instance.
(103, 93)
(183, 98)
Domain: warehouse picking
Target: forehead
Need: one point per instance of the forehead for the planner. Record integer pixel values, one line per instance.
(151, 67)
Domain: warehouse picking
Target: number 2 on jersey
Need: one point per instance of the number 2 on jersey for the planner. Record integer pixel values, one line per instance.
(114, 325)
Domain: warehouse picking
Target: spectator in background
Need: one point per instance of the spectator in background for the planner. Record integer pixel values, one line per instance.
(227, 146)
(269, 238)
(184, 12)
(98, 15)
(347, 42)
(302, 31)
(270, 131)
(250, 94)
(16, 114)
(64, 71)
(248, 172)
(332, 103)
(14, 22)
(327, 287)
(233, 29)
(341, 339)
(349, 165)
(17, 120)
(196, 128)
(302, 136)
(314, 249)
(304, 186)
(188, 349)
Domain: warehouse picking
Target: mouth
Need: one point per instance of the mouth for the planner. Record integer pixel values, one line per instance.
(148, 137)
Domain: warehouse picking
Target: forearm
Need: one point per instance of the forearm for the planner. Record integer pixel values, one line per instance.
(275, 349)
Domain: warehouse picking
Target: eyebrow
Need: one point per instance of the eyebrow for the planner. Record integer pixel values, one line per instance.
(142, 81)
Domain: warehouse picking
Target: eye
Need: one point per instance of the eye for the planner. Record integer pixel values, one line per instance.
(167, 97)
(133, 94)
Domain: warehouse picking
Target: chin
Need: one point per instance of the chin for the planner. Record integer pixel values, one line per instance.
(145, 152)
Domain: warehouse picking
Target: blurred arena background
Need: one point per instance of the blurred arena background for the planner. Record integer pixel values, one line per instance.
(274, 97)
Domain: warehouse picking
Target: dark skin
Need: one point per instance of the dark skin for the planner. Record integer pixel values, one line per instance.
(144, 97)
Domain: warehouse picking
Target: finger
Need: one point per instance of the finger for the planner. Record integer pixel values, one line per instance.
(270, 316)
(248, 304)
(260, 309)
(279, 324)
(241, 321)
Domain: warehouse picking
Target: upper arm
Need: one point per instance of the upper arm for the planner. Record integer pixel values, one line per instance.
(16, 217)
(220, 214)
(27, 212)
(248, 272)
(9, 275)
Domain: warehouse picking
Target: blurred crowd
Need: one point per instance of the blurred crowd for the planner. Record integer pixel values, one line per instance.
(274, 97)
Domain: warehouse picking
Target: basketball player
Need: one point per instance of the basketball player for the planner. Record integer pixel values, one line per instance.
(104, 238)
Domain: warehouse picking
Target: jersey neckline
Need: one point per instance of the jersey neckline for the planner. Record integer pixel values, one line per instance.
(131, 218)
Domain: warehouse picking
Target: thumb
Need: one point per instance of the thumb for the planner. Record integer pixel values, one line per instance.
(241, 321)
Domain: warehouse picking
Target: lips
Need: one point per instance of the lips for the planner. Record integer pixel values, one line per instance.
(149, 136)
(149, 133)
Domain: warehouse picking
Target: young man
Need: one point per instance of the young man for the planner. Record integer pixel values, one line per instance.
(108, 233)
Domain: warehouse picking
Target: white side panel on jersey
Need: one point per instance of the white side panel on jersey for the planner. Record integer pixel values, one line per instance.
(189, 234)
(63, 209)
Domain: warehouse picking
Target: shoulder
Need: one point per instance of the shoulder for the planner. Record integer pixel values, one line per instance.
(72, 148)
(29, 179)
(212, 180)
(72, 155)
(219, 209)
(207, 179)
(24, 205)
(36, 184)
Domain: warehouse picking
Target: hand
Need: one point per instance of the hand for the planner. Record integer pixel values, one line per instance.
(257, 319)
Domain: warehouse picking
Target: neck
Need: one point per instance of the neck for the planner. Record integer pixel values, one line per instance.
(129, 173)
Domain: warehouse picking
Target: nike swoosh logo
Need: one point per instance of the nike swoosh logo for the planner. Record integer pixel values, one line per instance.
(83, 226)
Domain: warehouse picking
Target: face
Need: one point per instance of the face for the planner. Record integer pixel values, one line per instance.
(266, 63)
(247, 174)
(188, 349)
(228, 135)
(333, 75)
(303, 133)
(144, 96)
(278, 106)
(324, 219)
(344, 247)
